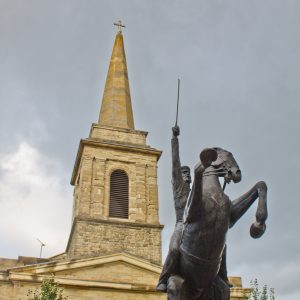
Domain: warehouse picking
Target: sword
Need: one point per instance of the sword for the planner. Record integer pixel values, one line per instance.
(178, 88)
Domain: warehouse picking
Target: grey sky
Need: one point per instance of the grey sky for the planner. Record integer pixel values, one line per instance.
(239, 64)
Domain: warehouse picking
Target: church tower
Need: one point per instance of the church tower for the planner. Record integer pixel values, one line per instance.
(115, 179)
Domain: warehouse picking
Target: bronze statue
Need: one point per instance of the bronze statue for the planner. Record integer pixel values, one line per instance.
(181, 180)
(197, 270)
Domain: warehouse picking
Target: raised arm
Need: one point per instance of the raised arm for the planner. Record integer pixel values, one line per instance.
(176, 165)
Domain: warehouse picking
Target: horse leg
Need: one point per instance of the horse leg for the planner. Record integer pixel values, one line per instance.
(220, 289)
(242, 204)
(171, 262)
(175, 288)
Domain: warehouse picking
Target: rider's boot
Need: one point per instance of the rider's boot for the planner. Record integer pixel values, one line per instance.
(161, 287)
(223, 268)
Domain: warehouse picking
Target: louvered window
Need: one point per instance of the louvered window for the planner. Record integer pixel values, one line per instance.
(118, 204)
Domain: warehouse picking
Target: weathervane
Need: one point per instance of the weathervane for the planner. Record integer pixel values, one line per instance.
(119, 25)
(42, 245)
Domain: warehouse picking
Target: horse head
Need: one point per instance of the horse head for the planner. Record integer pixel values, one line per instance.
(225, 166)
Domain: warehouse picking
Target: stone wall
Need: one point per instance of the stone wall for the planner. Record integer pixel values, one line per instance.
(94, 238)
(19, 291)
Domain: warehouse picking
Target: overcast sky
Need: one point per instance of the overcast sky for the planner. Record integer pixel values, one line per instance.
(239, 64)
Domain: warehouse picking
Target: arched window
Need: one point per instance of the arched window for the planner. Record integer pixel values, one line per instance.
(118, 200)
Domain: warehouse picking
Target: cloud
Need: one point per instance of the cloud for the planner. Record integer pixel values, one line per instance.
(35, 203)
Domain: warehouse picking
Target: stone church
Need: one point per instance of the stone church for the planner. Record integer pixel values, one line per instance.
(114, 247)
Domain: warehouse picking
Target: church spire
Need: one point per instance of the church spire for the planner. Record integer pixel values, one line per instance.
(116, 110)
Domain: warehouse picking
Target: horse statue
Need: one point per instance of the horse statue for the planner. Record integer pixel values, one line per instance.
(209, 213)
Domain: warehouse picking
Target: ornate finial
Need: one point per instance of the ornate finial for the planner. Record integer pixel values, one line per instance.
(120, 25)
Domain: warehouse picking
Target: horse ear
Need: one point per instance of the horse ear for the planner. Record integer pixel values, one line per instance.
(207, 156)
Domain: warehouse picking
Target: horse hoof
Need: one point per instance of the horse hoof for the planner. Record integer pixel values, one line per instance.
(208, 156)
(257, 230)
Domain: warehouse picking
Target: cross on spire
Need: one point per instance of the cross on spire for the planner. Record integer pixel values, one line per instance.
(119, 25)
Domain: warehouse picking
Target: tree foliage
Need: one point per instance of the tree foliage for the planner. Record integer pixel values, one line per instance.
(49, 291)
(260, 294)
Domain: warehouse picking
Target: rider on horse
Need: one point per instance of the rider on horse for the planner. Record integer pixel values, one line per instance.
(181, 180)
